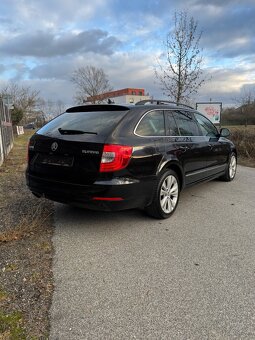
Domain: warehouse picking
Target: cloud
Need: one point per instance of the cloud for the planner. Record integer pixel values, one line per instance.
(54, 69)
(50, 90)
(5, 21)
(230, 34)
(42, 42)
(2, 68)
(40, 14)
(46, 44)
(223, 3)
(134, 67)
(53, 78)
(136, 71)
(226, 84)
(248, 88)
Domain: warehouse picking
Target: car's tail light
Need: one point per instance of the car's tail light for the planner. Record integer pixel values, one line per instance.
(115, 157)
(30, 147)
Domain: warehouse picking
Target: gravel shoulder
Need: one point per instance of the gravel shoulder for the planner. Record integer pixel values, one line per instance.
(26, 228)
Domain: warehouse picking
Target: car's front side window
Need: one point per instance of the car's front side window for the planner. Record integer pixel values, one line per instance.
(207, 127)
(186, 124)
(152, 124)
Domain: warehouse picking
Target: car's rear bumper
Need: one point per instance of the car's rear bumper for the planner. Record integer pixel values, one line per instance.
(110, 195)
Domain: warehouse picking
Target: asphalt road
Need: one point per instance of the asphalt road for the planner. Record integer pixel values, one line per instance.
(126, 276)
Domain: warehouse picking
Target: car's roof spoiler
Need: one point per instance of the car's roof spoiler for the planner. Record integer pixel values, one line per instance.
(98, 107)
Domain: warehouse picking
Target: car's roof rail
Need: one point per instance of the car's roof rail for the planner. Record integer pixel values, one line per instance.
(161, 102)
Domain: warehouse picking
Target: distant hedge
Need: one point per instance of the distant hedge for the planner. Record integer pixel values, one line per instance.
(240, 116)
(244, 139)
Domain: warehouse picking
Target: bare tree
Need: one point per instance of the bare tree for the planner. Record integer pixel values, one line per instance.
(247, 95)
(60, 107)
(181, 75)
(23, 99)
(51, 108)
(90, 82)
(246, 100)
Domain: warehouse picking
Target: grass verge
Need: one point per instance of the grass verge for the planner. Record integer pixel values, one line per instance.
(25, 252)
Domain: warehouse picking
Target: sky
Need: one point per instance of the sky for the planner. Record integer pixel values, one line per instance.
(43, 41)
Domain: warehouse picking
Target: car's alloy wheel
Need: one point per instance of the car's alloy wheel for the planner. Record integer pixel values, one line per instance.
(169, 193)
(232, 166)
(166, 195)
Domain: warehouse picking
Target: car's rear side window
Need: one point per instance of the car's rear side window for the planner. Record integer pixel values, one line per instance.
(171, 127)
(186, 124)
(99, 122)
(152, 124)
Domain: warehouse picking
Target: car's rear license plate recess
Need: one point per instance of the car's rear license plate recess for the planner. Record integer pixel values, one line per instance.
(57, 160)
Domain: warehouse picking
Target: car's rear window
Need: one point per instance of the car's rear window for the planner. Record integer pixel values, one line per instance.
(99, 122)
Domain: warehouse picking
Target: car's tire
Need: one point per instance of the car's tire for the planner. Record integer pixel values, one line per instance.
(166, 195)
(231, 169)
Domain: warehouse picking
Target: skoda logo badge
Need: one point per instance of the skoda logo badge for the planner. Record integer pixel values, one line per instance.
(54, 146)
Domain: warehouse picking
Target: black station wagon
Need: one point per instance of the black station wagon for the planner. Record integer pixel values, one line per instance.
(113, 157)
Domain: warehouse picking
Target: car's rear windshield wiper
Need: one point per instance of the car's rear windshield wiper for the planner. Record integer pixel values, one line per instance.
(74, 132)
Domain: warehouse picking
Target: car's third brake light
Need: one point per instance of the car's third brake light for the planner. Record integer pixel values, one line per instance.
(115, 157)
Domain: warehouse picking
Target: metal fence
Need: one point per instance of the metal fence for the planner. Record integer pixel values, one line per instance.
(6, 133)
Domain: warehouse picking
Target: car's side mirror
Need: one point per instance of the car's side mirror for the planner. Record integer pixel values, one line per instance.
(224, 132)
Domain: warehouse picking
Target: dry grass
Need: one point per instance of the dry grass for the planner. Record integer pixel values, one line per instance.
(25, 252)
(244, 139)
(248, 128)
(20, 212)
(37, 217)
